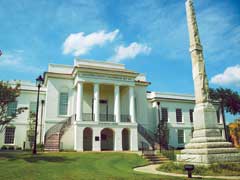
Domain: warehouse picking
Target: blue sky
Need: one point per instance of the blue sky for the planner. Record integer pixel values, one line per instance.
(149, 36)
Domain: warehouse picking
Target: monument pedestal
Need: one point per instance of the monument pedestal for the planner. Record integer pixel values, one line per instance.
(207, 145)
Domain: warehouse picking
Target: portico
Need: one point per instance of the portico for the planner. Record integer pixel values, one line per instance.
(102, 103)
(105, 111)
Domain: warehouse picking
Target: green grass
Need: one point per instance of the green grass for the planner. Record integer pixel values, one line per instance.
(222, 169)
(72, 165)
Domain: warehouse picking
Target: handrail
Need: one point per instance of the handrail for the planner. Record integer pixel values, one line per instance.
(147, 134)
(125, 118)
(88, 116)
(106, 117)
(59, 127)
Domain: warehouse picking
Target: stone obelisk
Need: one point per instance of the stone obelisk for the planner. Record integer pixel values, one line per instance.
(207, 145)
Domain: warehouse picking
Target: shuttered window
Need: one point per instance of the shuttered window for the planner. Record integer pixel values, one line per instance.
(179, 115)
(191, 115)
(164, 112)
(12, 108)
(9, 135)
(63, 104)
(180, 136)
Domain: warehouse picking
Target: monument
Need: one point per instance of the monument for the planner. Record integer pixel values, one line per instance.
(207, 145)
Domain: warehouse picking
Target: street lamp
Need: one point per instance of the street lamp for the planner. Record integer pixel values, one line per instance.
(159, 124)
(39, 83)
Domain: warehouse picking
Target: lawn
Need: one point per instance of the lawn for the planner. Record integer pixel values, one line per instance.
(72, 165)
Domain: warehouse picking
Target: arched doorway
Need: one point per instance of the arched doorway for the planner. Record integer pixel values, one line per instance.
(125, 139)
(87, 139)
(107, 140)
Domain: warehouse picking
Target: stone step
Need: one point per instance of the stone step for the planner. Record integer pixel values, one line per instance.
(52, 145)
(158, 158)
(50, 149)
(52, 141)
(210, 151)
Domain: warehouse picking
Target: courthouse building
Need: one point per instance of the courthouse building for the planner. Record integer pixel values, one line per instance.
(98, 106)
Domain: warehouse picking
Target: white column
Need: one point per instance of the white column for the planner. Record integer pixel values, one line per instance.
(118, 139)
(117, 103)
(96, 102)
(132, 104)
(78, 137)
(79, 105)
(133, 139)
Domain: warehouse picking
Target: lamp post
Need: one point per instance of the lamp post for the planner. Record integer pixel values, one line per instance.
(159, 130)
(39, 82)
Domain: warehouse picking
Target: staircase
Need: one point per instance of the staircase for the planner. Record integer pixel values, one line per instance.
(54, 134)
(148, 135)
(156, 158)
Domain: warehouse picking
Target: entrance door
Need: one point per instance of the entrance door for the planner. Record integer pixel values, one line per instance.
(107, 140)
(103, 110)
(87, 139)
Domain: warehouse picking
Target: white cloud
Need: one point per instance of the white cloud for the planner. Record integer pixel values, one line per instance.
(14, 60)
(79, 43)
(130, 52)
(231, 76)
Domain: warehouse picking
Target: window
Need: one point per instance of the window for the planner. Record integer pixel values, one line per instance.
(179, 115)
(180, 136)
(63, 104)
(9, 135)
(164, 114)
(12, 108)
(191, 115)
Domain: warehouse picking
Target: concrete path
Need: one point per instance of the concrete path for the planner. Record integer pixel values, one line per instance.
(151, 169)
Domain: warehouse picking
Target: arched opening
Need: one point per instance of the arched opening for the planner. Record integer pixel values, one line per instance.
(107, 139)
(125, 139)
(87, 139)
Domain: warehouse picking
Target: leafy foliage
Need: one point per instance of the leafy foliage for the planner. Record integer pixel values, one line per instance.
(8, 94)
(234, 128)
(229, 98)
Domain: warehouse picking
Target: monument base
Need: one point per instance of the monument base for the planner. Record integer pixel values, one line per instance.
(207, 145)
(206, 159)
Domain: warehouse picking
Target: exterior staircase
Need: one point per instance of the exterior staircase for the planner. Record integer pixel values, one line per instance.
(154, 158)
(147, 135)
(54, 134)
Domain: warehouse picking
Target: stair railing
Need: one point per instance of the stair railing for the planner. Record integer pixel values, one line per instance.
(147, 134)
(59, 127)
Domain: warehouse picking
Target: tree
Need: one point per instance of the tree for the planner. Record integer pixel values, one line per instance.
(234, 128)
(8, 95)
(230, 99)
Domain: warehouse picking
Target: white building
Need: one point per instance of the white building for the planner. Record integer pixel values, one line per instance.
(98, 106)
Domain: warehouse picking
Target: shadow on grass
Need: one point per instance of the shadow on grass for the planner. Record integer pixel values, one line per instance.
(28, 157)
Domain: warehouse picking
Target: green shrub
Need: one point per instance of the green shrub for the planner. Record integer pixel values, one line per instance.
(18, 148)
(40, 147)
(170, 154)
(11, 148)
(4, 147)
(217, 169)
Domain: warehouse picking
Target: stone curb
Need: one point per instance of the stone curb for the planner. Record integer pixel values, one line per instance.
(151, 169)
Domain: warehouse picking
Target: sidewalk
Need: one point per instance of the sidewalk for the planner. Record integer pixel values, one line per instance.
(151, 169)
